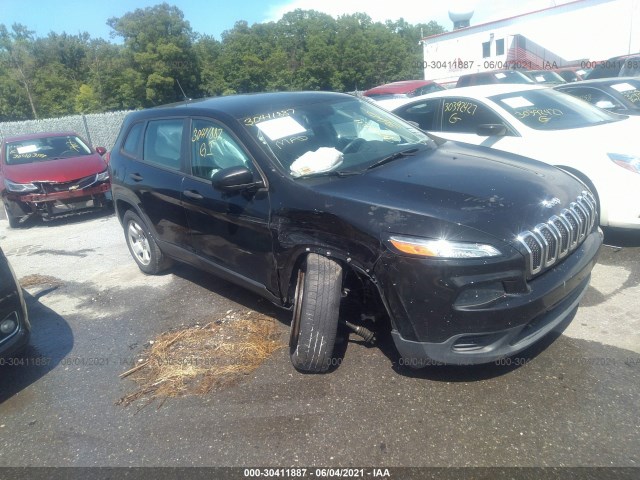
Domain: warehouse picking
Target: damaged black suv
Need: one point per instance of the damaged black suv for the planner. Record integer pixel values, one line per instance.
(310, 197)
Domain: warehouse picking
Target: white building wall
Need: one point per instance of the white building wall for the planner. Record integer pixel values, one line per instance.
(582, 30)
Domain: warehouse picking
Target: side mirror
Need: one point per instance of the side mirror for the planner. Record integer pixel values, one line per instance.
(234, 178)
(491, 130)
(101, 150)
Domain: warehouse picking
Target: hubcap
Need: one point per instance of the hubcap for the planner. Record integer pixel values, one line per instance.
(139, 243)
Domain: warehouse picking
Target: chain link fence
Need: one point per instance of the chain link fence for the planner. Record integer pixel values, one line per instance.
(100, 129)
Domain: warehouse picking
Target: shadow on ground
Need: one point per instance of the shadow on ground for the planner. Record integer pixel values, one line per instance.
(51, 340)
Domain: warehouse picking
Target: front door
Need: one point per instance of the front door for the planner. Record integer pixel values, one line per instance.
(230, 229)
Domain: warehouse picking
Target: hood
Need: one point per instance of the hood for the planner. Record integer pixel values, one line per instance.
(59, 171)
(496, 193)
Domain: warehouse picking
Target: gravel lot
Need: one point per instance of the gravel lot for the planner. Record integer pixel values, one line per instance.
(570, 401)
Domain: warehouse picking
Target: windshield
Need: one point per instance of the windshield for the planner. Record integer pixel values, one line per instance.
(45, 148)
(548, 109)
(629, 89)
(345, 136)
(545, 76)
(511, 76)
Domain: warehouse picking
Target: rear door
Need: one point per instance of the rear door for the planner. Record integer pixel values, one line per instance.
(154, 174)
(229, 229)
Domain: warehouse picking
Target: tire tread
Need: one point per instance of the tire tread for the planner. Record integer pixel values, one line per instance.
(319, 314)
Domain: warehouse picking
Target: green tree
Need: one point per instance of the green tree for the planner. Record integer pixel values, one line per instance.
(243, 59)
(207, 52)
(304, 50)
(87, 100)
(17, 47)
(411, 36)
(160, 44)
(54, 90)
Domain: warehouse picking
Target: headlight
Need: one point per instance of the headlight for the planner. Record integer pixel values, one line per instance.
(102, 176)
(423, 247)
(630, 162)
(19, 187)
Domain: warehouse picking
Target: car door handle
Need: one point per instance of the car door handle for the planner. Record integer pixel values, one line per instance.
(136, 177)
(192, 194)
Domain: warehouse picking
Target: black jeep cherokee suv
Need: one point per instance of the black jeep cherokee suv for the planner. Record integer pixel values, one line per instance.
(306, 198)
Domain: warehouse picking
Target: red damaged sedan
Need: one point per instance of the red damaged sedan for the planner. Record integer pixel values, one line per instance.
(51, 174)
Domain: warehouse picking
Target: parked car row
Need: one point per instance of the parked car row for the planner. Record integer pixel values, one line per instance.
(473, 251)
(598, 147)
(402, 89)
(620, 66)
(45, 174)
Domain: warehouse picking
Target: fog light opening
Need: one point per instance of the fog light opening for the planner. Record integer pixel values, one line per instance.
(472, 343)
(8, 325)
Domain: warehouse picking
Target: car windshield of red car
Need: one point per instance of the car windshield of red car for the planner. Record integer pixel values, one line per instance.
(46, 148)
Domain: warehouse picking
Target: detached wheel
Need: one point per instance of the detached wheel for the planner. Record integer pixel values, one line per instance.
(142, 246)
(315, 314)
(14, 222)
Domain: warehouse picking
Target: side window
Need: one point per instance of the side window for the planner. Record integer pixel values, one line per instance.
(163, 142)
(423, 113)
(133, 140)
(213, 148)
(463, 115)
(483, 79)
(486, 49)
(463, 81)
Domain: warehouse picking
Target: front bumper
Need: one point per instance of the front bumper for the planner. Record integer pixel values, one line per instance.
(57, 202)
(438, 330)
(477, 348)
(64, 195)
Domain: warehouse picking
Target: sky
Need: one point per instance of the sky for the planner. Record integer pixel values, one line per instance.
(212, 17)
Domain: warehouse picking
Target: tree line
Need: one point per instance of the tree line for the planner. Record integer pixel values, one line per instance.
(160, 59)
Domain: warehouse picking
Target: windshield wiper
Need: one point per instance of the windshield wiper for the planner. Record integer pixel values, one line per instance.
(394, 156)
(331, 173)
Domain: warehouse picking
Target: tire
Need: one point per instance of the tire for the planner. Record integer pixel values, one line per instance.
(14, 222)
(315, 314)
(142, 245)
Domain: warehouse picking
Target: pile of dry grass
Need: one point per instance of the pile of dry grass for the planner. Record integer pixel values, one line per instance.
(36, 280)
(198, 359)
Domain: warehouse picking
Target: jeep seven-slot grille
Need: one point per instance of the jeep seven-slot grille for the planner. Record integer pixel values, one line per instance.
(549, 242)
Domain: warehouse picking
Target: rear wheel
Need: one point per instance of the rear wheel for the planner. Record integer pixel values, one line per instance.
(315, 314)
(142, 246)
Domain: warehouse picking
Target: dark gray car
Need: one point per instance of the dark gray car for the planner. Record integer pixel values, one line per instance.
(14, 321)
(618, 95)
